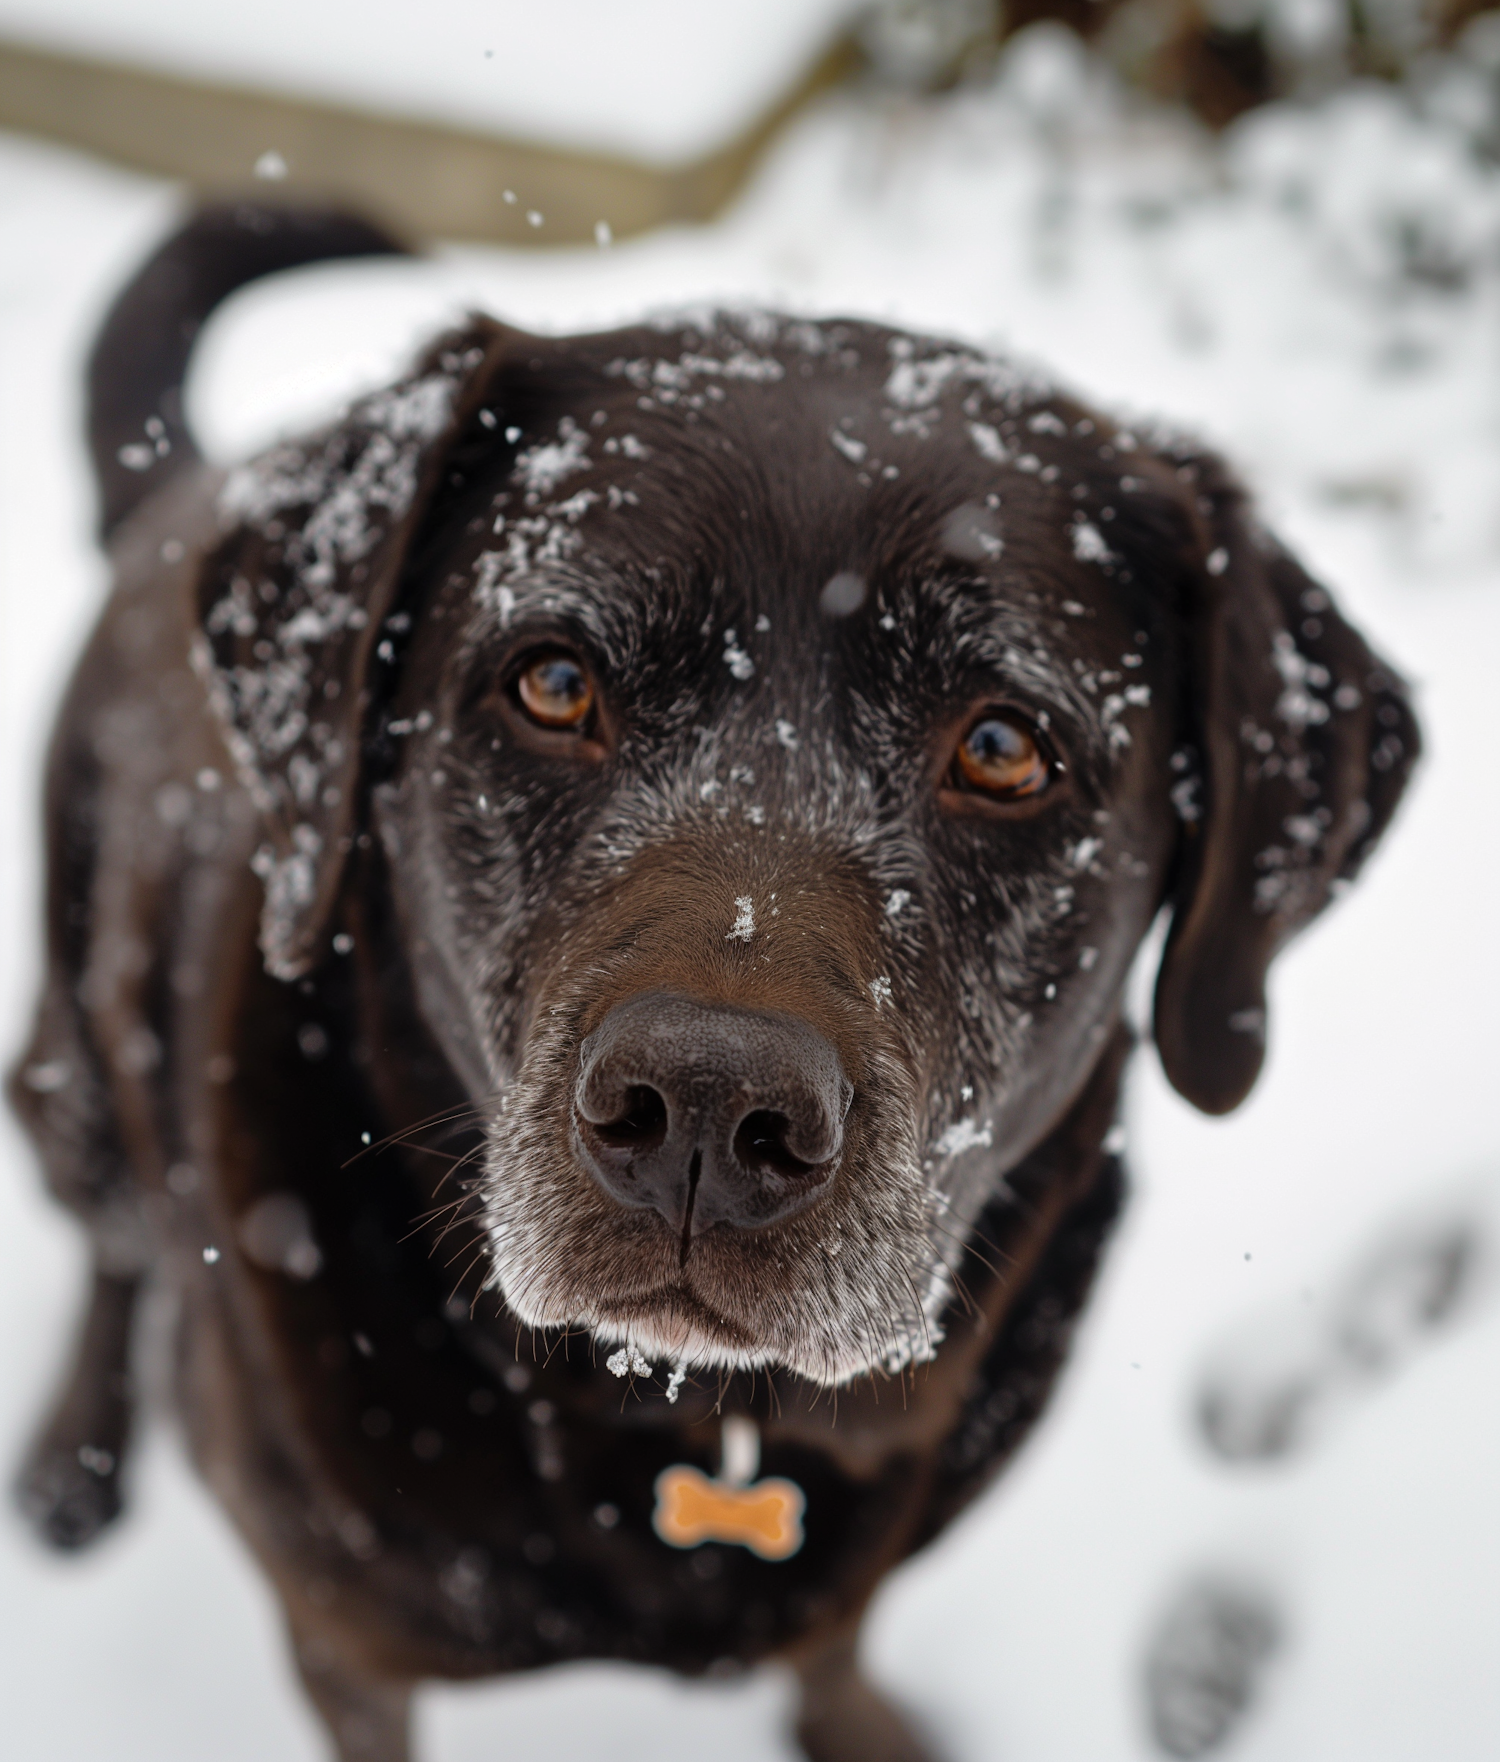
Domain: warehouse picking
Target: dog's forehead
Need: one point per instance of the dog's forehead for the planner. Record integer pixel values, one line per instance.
(750, 407)
(751, 467)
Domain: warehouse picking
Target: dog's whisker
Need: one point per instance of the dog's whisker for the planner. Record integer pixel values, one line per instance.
(446, 1116)
(473, 1261)
(446, 1209)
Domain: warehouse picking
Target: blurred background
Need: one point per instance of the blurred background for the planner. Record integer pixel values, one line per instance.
(1260, 1521)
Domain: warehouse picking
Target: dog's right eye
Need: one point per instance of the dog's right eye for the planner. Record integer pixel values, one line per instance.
(555, 691)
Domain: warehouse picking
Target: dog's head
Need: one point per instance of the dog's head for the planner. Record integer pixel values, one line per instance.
(781, 737)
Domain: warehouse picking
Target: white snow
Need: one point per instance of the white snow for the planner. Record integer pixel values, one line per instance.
(738, 662)
(988, 442)
(1258, 294)
(629, 1361)
(743, 928)
(1088, 543)
(965, 1135)
(660, 80)
(541, 468)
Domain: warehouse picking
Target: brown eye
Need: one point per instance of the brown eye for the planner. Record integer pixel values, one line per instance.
(556, 692)
(1003, 757)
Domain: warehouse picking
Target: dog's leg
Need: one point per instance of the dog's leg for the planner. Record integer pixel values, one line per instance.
(842, 1718)
(69, 1485)
(368, 1719)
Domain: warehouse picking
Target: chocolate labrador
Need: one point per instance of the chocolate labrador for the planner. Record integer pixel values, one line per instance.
(588, 912)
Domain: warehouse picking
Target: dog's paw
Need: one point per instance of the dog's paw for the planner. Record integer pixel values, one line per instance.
(1204, 1664)
(856, 1724)
(1285, 1375)
(70, 1494)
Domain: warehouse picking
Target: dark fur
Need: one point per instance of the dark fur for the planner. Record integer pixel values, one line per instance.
(327, 931)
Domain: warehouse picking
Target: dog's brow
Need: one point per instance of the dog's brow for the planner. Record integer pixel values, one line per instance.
(1016, 648)
(977, 633)
(610, 617)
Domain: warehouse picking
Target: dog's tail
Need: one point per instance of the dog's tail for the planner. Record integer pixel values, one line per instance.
(138, 435)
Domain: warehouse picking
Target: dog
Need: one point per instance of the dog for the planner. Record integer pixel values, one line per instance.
(589, 904)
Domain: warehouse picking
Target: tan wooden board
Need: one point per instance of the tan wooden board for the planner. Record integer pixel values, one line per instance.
(426, 180)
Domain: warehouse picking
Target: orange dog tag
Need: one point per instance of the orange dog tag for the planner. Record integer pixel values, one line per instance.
(765, 1517)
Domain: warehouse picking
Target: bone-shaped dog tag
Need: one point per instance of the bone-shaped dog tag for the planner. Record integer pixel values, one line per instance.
(763, 1516)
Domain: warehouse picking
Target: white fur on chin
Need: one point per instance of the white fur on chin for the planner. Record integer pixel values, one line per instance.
(675, 1341)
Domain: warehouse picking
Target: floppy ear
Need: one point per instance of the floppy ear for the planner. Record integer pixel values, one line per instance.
(1304, 743)
(290, 604)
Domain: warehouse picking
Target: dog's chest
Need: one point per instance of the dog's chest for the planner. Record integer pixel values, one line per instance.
(501, 1502)
(503, 1513)
(513, 1522)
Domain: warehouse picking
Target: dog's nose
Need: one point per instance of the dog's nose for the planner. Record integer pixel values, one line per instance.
(709, 1114)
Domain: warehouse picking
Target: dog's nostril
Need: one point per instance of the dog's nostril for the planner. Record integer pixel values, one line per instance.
(641, 1122)
(761, 1142)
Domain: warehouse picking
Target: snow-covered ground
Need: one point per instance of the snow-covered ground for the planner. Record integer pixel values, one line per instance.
(1321, 297)
(662, 81)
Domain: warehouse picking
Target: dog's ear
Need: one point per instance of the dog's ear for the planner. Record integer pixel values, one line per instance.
(1304, 740)
(291, 600)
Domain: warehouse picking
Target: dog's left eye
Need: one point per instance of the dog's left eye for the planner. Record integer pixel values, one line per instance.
(1003, 757)
(555, 691)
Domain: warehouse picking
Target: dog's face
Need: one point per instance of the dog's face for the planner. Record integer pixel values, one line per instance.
(781, 737)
